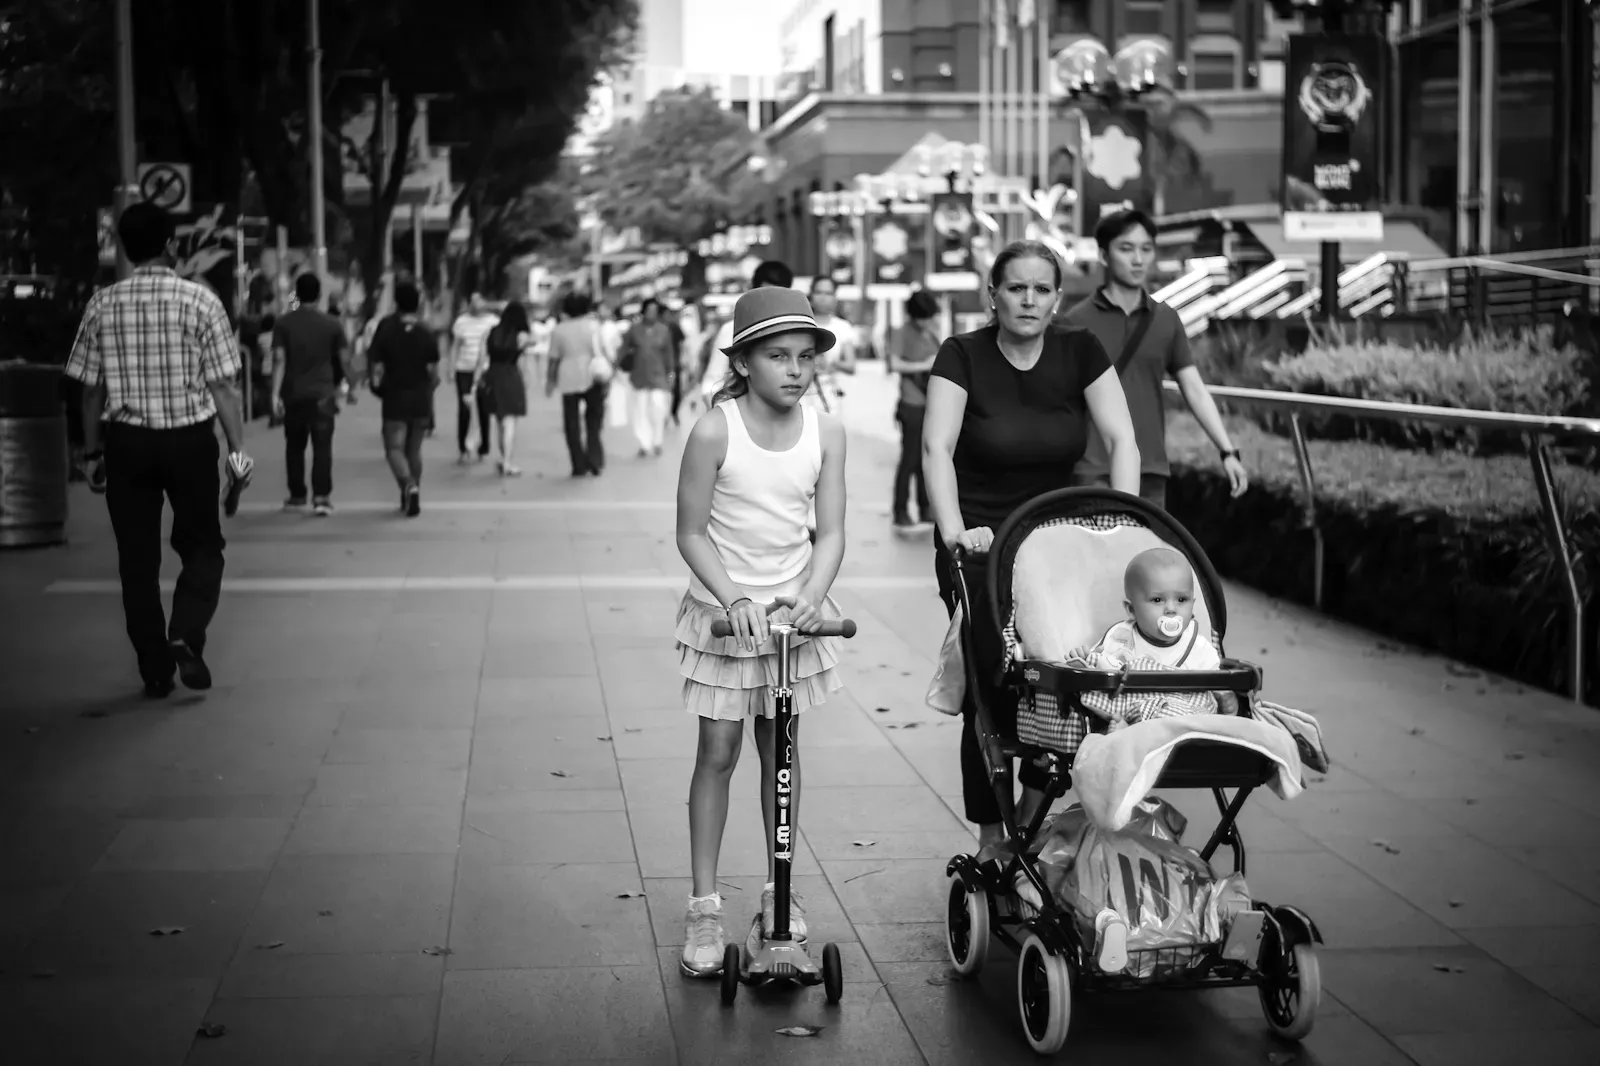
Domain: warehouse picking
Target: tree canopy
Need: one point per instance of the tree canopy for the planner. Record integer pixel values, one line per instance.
(669, 173)
(221, 84)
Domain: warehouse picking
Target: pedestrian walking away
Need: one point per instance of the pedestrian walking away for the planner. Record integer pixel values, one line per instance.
(1009, 409)
(768, 274)
(1146, 341)
(649, 358)
(827, 394)
(308, 367)
(404, 364)
(158, 361)
(912, 348)
(467, 336)
(501, 371)
(751, 468)
(580, 370)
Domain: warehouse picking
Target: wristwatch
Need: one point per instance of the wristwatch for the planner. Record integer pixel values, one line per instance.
(1229, 453)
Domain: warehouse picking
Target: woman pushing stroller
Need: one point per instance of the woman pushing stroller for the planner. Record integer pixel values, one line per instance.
(1008, 417)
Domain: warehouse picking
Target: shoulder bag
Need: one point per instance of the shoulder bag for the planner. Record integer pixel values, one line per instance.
(1135, 338)
(600, 367)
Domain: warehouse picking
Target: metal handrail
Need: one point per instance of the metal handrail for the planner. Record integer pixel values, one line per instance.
(1537, 430)
(1540, 255)
(1534, 272)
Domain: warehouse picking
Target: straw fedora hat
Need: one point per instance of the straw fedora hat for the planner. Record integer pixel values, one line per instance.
(765, 311)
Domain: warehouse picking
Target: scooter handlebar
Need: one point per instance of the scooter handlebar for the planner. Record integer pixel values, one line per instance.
(832, 627)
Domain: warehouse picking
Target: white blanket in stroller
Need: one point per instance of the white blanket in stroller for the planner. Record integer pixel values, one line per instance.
(1114, 771)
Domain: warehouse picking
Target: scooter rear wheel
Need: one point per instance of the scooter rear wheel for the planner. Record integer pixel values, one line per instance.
(832, 973)
(730, 975)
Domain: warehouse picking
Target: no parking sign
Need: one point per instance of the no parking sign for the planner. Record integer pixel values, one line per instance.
(167, 185)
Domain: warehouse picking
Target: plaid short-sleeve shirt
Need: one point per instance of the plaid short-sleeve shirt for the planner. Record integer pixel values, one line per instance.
(156, 340)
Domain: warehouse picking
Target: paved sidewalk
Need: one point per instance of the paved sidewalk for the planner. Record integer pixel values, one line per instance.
(444, 755)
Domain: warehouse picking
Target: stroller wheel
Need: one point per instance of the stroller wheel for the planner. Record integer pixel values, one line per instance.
(1044, 996)
(1290, 996)
(966, 927)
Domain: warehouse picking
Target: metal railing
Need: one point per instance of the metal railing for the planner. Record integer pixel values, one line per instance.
(1539, 431)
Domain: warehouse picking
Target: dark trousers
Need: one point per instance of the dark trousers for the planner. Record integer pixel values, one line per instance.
(1152, 487)
(988, 651)
(466, 398)
(910, 466)
(584, 445)
(402, 447)
(309, 421)
(143, 467)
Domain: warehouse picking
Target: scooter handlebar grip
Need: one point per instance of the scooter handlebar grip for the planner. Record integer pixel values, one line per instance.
(722, 628)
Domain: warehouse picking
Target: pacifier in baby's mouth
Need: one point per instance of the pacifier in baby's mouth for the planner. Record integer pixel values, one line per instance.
(1170, 625)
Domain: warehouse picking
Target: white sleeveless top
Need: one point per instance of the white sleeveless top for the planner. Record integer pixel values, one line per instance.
(761, 510)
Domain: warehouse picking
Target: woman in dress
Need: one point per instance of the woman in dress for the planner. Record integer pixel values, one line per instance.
(501, 370)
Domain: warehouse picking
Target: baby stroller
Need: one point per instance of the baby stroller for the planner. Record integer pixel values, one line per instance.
(1055, 578)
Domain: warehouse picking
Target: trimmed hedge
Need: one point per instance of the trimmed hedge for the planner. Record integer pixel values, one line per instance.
(1523, 372)
(1443, 551)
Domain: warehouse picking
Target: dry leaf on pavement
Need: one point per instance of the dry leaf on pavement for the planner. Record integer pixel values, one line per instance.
(799, 1030)
(166, 930)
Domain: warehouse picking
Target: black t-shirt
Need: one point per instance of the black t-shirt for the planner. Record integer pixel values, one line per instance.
(311, 342)
(407, 352)
(1023, 430)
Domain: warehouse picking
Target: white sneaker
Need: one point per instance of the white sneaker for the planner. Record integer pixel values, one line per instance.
(703, 941)
(1111, 941)
(797, 913)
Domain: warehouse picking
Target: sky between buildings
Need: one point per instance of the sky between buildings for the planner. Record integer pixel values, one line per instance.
(732, 36)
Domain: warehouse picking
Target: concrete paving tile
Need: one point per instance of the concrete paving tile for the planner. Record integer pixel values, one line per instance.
(22, 909)
(512, 917)
(903, 941)
(102, 927)
(889, 890)
(457, 710)
(1373, 813)
(863, 1027)
(48, 847)
(1400, 991)
(195, 844)
(379, 903)
(355, 1031)
(915, 844)
(79, 1022)
(583, 733)
(413, 747)
(1520, 821)
(539, 658)
(1351, 909)
(387, 783)
(865, 810)
(830, 767)
(410, 658)
(1571, 982)
(1489, 889)
(1577, 869)
(546, 801)
(514, 698)
(1520, 947)
(433, 829)
(611, 1014)
(741, 897)
(1564, 1048)
(284, 776)
(282, 805)
(268, 974)
(502, 770)
(504, 831)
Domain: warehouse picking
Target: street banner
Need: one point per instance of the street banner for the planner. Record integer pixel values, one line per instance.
(953, 229)
(839, 248)
(1330, 123)
(1115, 168)
(891, 250)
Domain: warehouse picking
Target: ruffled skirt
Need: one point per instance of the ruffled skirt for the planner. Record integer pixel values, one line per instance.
(727, 683)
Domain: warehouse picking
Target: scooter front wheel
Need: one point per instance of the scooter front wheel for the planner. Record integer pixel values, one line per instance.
(730, 975)
(832, 973)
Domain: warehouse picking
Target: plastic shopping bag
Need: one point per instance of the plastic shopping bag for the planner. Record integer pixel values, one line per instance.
(617, 404)
(949, 684)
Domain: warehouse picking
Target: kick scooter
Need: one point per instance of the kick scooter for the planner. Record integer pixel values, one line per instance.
(782, 960)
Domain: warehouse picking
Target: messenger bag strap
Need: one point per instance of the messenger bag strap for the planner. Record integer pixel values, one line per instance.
(1136, 337)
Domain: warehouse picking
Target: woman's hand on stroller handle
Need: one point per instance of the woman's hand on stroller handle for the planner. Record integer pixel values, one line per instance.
(976, 540)
(747, 621)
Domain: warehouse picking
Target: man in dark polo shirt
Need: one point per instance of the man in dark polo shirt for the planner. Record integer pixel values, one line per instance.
(308, 351)
(1146, 342)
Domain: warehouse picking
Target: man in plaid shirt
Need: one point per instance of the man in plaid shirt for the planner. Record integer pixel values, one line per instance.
(157, 358)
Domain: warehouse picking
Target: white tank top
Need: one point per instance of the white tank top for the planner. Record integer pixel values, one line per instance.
(761, 510)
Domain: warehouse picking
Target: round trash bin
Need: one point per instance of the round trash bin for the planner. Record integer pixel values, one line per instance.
(34, 456)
